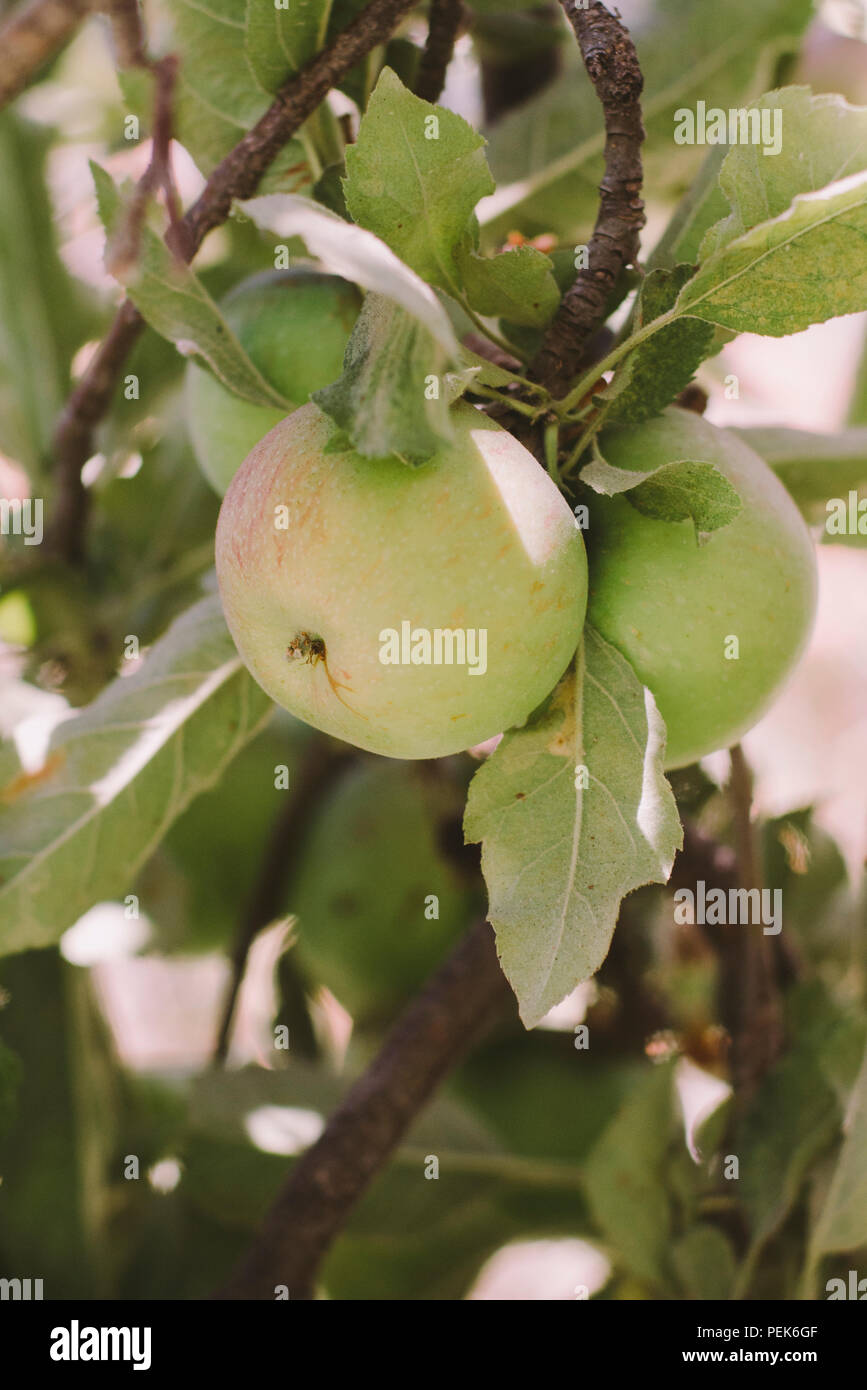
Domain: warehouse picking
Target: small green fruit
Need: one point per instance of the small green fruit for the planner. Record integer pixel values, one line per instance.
(673, 607)
(337, 573)
(294, 326)
(376, 918)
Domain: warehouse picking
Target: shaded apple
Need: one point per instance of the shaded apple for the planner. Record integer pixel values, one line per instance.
(672, 606)
(294, 326)
(375, 920)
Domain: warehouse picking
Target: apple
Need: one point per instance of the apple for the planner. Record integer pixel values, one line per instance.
(672, 607)
(377, 918)
(294, 326)
(413, 612)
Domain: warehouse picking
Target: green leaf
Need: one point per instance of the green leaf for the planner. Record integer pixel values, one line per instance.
(218, 97)
(625, 1177)
(59, 1158)
(328, 190)
(516, 285)
(659, 369)
(791, 251)
(813, 467)
(553, 898)
(858, 404)
(488, 373)
(118, 774)
(701, 207)
(824, 141)
(704, 1263)
(677, 491)
(175, 302)
(41, 324)
(280, 41)
(416, 192)
(794, 1118)
(842, 1222)
(356, 255)
(805, 267)
(381, 400)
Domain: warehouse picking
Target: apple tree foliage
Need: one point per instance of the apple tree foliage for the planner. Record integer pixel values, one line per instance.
(142, 765)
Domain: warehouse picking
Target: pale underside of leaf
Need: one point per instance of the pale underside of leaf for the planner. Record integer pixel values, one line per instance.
(357, 255)
(122, 771)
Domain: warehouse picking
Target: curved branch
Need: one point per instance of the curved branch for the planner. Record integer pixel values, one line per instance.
(612, 65)
(30, 37)
(464, 996)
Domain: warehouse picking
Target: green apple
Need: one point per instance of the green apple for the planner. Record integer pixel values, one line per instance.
(294, 326)
(410, 611)
(674, 608)
(376, 918)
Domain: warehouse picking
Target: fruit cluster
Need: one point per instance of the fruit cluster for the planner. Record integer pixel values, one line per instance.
(321, 552)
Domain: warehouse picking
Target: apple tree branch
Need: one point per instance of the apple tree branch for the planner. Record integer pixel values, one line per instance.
(464, 997)
(612, 65)
(30, 36)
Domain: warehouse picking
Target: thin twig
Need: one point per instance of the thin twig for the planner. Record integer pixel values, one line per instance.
(465, 996)
(131, 48)
(444, 22)
(127, 32)
(237, 176)
(30, 36)
(73, 435)
(122, 251)
(319, 769)
(612, 65)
